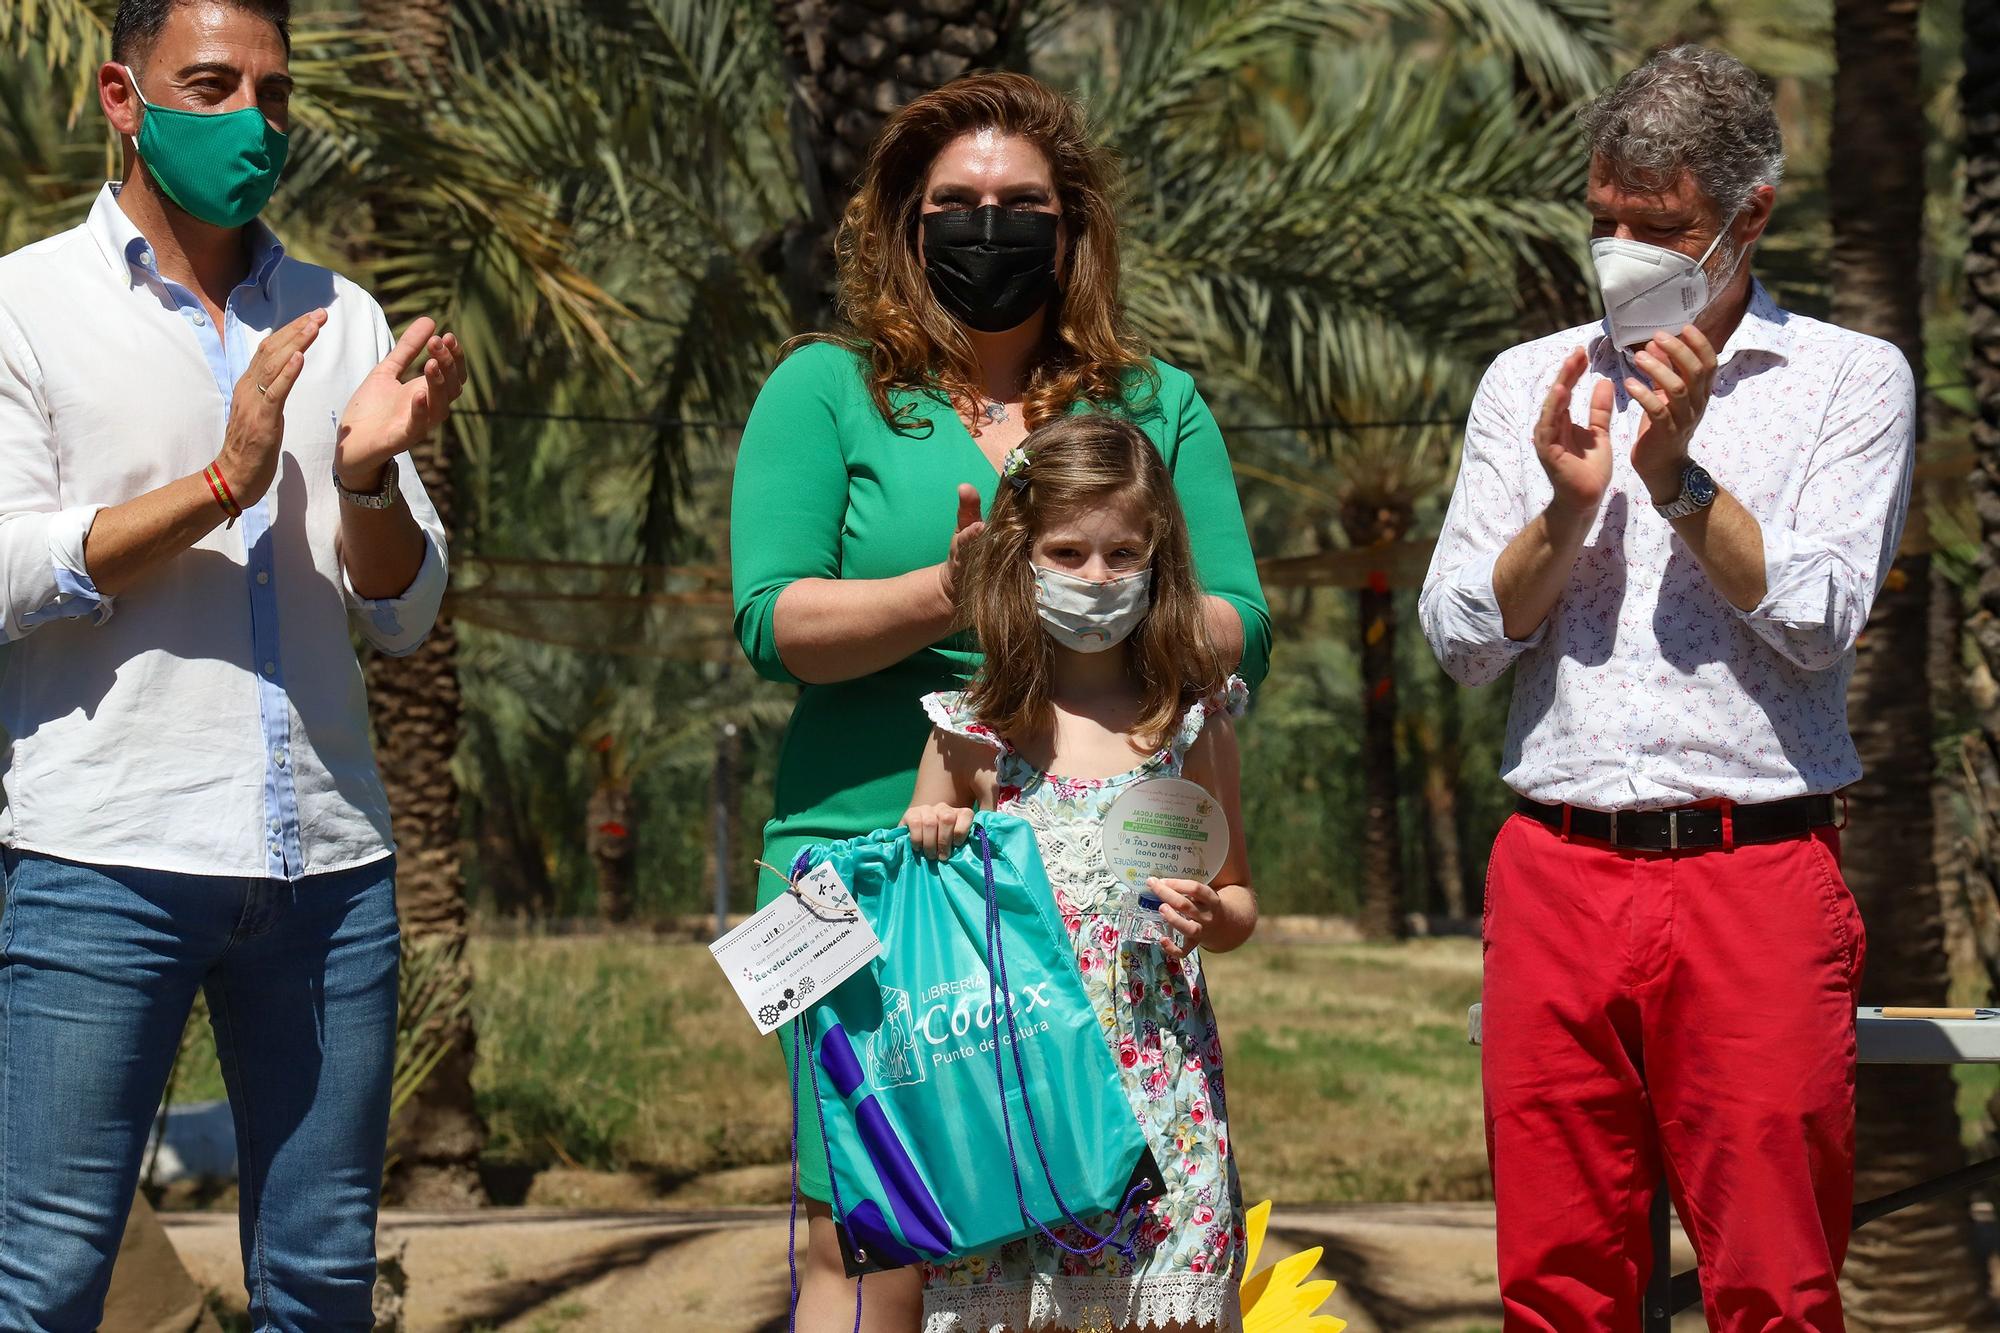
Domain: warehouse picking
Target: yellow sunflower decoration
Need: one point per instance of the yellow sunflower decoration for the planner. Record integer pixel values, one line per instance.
(1279, 1299)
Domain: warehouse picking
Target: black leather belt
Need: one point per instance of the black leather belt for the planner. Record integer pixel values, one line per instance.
(1689, 827)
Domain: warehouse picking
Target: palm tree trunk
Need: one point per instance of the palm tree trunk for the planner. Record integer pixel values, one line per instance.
(851, 63)
(1443, 758)
(1914, 1269)
(1381, 841)
(1979, 102)
(415, 701)
(608, 837)
(1369, 523)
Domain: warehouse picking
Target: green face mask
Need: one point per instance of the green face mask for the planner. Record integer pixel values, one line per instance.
(221, 167)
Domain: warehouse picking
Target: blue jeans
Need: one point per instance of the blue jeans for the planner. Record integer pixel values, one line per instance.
(98, 971)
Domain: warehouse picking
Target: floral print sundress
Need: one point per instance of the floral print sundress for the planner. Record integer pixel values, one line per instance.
(1156, 1018)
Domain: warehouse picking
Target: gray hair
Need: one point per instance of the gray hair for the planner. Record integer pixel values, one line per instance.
(1688, 108)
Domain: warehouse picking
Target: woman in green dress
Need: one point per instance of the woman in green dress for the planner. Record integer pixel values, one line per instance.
(979, 297)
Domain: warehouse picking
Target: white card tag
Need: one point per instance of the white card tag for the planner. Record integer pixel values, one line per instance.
(794, 951)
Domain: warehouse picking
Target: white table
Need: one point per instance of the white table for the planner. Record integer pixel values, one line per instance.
(1881, 1037)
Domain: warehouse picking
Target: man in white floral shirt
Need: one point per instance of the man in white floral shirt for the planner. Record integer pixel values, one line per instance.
(1673, 524)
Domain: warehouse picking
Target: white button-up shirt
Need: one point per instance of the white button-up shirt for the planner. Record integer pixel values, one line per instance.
(1645, 687)
(213, 721)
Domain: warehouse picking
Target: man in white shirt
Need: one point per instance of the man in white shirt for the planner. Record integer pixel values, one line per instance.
(1673, 523)
(204, 481)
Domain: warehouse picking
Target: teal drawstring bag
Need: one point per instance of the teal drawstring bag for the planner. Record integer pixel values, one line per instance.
(964, 1089)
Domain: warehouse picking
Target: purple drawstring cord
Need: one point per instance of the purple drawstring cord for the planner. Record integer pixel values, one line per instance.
(792, 1231)
(1000, 995)
(792, 1062)
(832, 1180)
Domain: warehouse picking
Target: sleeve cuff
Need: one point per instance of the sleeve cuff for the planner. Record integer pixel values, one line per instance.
(76, 596)
(1479, 605)
(1797, 591)
(399, 625)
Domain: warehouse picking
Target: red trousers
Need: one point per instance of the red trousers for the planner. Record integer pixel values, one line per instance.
(1690, 1013)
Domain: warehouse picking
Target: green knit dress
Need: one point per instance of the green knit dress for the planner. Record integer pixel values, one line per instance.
(826, 489)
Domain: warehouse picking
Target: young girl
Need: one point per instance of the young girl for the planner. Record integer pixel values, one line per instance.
(1099, 674)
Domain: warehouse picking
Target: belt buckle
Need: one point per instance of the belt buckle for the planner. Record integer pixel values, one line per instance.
(1613, 837)
(1673, 830)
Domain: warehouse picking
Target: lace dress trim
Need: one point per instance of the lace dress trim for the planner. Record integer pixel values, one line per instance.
(948, 713)
(1198, 1300)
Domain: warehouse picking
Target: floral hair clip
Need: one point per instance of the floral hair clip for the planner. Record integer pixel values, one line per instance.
(1015, 467)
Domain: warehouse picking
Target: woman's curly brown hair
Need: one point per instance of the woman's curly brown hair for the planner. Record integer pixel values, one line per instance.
(1076, 465)
(892, 319)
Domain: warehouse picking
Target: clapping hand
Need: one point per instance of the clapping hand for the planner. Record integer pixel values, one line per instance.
(387, 414)
(1682, 370)
(1576, 458)
(256, 434)
(968, 530)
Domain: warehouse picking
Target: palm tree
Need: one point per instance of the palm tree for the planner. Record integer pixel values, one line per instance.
(1914, 1268)
(849, 66)
(1358, 265)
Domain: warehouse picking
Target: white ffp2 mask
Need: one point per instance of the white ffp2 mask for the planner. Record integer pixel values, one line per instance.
(1649, 289)
(1091, 617)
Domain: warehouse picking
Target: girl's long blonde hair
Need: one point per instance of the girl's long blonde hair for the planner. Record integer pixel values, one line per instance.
(1074, 465)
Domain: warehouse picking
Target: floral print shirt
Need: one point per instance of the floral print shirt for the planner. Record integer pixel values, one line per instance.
(1645, 688)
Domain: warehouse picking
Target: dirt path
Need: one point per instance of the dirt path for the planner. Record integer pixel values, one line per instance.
(1426, 1268)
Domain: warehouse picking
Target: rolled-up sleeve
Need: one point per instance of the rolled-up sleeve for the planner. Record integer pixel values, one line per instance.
(42, 572)
(1221, 543)
(1460, 615)
(789, 497)
(1823, 568)
(399, 625)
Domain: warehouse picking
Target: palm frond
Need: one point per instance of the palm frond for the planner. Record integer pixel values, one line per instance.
(72, 36)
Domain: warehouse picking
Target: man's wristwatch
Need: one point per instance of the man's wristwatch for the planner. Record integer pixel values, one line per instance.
(1697, 493)
(379, 499)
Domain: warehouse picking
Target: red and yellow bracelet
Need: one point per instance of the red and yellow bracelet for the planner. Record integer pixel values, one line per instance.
(218, 486)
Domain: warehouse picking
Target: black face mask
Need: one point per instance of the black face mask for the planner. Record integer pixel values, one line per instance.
(991, 267)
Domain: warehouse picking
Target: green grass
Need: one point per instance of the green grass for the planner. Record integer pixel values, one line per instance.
(621, 1052)
(1349, 1075)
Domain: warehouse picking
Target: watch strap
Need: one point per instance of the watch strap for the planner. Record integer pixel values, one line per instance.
(381, 498)
(1684, 504)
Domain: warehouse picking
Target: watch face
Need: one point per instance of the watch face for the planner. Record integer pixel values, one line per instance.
(1697, 485)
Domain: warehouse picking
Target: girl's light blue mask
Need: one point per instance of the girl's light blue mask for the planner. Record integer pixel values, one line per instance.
(1091, 617)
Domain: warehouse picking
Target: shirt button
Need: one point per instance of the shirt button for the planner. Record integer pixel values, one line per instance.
(200, 321)
(263, 576)
(270, 668)
(278, 757)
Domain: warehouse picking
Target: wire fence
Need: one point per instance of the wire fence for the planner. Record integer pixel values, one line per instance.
(1228, 428)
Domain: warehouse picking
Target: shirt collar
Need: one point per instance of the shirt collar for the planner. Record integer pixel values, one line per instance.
(127, 250)
(1763, 328)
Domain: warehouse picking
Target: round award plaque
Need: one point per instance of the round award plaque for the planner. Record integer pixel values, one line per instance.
(1165, 828)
